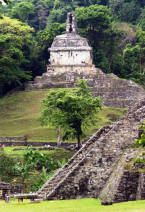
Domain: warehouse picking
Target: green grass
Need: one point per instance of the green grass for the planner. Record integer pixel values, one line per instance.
(57, 154)
(19, 115)
(82, 205)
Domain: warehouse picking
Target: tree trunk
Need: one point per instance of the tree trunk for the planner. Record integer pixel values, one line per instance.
(79, 142)
(58, 137)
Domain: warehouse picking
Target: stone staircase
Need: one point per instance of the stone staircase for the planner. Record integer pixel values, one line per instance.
(107, 194)
(141, 187)
(127, 181)
(95, 161)
(49, 188)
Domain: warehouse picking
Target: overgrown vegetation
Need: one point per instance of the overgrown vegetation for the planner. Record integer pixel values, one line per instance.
(140, 159)
(115, 30)
(33, 169)
(140, 142)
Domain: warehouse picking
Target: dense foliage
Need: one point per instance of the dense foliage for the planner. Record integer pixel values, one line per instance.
(140, 142)
(32, 170)
(72, 110)
(7, 167)
(114, 28)
(15, 48)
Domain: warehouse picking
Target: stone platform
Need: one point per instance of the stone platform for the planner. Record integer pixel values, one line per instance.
(114, 91)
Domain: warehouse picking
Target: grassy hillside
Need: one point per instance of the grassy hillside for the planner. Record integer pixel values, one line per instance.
(19, 115)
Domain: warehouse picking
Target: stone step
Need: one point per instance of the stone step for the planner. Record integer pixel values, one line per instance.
(51, 185)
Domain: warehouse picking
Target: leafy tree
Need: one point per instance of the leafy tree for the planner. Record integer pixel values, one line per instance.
(59, 15)
(95, 23)
(61, 7)
(45, 38)
(37, 160)
(98, 21)
(42, 10)
(141, 19)
(15, 48)
(129, 12)
(126, 10)
(72, 110)
(22, 11)
(35, 169)
(134, 62)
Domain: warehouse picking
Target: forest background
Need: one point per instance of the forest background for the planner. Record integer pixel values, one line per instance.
(114, 28)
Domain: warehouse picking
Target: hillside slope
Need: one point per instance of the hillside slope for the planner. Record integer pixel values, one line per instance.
(20, 111)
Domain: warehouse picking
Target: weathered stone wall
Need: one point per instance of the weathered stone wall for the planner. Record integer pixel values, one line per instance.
(141, 186)
(88, 171)
(70, 48)
(70, 57)
(12, 139)
(127, 182)
(68, 146)
(127, 188)
(64, 68)
(115, 92)
(7, 189)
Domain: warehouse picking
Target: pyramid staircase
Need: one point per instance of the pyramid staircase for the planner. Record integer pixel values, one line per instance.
(126, 183)
(49, 188)
(109, 191)
(106, 136)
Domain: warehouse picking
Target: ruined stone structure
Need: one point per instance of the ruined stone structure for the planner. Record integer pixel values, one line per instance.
(98, 167)
(127, 181)
(114, 91)
(7, 189)
(69, 51)
(12, 139)
(70, 59)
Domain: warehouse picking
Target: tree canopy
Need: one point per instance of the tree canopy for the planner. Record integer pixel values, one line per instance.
(112, 27)
(15, 45)
(72, 110)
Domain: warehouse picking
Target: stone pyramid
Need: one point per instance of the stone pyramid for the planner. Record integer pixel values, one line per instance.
(71, 58)
(97, 169)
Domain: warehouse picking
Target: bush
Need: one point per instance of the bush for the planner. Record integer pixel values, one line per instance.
(7, 167)
(141, 140)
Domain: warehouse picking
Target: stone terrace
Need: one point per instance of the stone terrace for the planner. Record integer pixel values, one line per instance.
(114, 91)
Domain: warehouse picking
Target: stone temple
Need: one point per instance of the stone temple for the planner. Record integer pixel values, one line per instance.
(71, 58)
(70, 52)
(103, 167)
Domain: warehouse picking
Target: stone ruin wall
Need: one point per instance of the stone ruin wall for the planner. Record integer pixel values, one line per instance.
(115, 92)
(70, 58)
(127, 181)
(12, 139)
(89, 178)
(57, 70)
